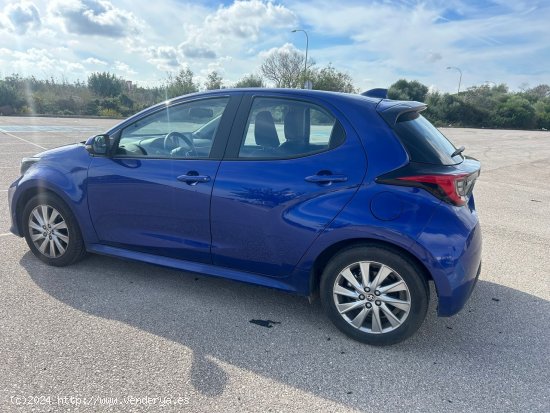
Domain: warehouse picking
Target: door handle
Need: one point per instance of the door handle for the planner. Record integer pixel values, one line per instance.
(193, 178)
(326, 179)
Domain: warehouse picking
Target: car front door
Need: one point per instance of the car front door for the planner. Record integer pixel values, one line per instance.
(153, 193)
(289, 169)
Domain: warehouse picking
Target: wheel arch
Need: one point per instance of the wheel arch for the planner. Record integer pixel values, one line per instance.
(32, 191)
(328, 253)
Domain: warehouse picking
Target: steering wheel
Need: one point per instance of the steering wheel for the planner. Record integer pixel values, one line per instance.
(172, 143)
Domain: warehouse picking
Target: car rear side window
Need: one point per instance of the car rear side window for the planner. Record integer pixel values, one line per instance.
(424, 142)
(284, 128)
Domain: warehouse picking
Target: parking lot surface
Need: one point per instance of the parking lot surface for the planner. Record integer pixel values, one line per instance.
(130, 337)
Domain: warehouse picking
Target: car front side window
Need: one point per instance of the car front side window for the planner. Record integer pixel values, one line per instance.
(185, 130)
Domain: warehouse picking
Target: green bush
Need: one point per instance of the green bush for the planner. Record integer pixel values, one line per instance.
(515, 112)
(109, 113)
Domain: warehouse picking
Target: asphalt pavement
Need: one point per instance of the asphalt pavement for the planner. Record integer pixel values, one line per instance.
(111, 335)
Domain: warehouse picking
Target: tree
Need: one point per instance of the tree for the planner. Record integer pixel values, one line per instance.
(328, 78)
(515, 112)
(250, 81)
(8, 95)
(181, 84)
(105, 84)
(408, 90)
(213, 81)
(542, 110)
(538, 92)
(451, 110)
(285, 68)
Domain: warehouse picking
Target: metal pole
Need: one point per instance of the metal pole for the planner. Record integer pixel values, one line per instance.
(460, 78)
(307, 47)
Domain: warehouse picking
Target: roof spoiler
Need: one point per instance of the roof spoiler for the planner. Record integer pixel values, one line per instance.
(391, 113)
(376, 93)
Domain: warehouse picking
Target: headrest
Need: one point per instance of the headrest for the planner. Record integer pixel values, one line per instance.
(294, 126)
(265, 133)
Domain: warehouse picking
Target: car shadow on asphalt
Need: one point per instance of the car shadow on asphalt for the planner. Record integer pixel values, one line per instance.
(499, 334)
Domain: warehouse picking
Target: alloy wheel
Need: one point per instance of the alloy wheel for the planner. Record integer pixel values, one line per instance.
(372, 297)
(48, 231)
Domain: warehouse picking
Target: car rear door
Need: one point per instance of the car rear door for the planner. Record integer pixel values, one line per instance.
(153, 194)
(290, 167)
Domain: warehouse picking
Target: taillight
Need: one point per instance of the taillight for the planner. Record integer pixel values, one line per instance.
(453, 187)
(450, 188)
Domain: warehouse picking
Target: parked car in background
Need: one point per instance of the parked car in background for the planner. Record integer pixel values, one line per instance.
(356, 198)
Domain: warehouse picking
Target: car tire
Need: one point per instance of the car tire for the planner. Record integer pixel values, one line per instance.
(387, 306)
(51, 231)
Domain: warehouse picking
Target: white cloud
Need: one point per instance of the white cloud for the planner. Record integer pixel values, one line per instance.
(219, 36)
(72, 67)
(20, 17)
(164, 57)
(196, 52)
(41, 62)
(95, 17)
(285, 48)
(246, 19)
(95, 62)
(231, 28)
(124, 68)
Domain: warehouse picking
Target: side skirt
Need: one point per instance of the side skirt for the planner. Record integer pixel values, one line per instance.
(199, 268)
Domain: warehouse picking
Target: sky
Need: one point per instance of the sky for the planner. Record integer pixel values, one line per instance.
(375, 42)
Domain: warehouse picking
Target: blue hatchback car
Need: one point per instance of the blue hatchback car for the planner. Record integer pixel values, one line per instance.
(354, 197)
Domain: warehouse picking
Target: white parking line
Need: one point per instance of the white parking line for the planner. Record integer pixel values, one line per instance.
(5, 234)
(13, 143)
(24, 143)
(21, 139)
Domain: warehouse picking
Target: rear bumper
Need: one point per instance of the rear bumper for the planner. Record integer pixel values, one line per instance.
(452, 304)
(452, 245)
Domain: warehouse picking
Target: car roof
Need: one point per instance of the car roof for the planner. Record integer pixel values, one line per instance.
(322, 94)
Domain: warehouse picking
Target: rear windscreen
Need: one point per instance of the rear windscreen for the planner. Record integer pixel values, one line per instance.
(424, 142)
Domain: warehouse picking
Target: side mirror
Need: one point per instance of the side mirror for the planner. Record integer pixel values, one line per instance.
(99, 145)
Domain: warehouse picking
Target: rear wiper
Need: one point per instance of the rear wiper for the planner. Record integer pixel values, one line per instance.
(458, 151)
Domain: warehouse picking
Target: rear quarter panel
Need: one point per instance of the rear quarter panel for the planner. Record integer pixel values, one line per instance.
(357, 223)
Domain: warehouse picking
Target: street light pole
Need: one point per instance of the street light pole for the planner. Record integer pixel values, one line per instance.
(307, 47)
(460, 78)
